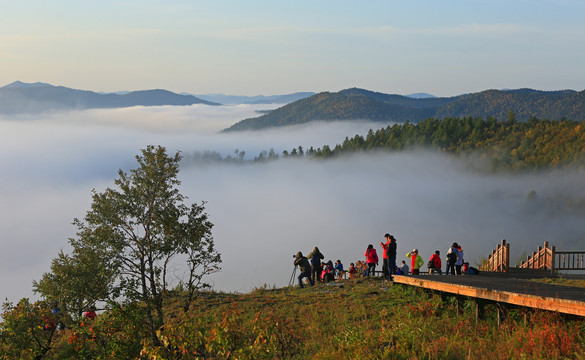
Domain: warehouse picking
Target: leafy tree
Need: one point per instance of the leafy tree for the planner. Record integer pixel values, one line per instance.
(79, 280)
(28, 330)
(143, 232)
(511, 118)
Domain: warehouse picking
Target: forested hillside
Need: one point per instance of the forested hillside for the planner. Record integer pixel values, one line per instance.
(360, 104)
(490, 145)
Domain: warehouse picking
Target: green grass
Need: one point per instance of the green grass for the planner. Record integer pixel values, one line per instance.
(563, 281)
(355, 319)
(365, 319)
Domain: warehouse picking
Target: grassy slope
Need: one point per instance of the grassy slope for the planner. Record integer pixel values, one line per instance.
(354, 319)
(363, 319)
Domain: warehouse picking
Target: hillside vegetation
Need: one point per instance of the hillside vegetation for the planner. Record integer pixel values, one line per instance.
(360, 104)
(353, 319)
(510, 145)
(487, 145)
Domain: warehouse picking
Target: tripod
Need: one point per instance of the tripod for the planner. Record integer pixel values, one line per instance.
(291, 281)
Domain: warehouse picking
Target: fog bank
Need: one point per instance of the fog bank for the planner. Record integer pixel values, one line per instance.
(266, 212)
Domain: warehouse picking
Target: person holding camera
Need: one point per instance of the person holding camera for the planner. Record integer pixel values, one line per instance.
(305, 267)
(416, 261)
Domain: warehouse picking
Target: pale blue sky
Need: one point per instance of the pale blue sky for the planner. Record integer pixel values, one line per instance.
(265, 47)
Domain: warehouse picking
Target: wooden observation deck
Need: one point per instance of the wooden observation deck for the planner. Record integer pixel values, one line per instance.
(513, 287)
(500, 283)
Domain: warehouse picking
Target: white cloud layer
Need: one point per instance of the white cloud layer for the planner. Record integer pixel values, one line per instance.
(264, 213)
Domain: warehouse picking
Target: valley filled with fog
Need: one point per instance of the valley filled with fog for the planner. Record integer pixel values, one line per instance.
(266, 212)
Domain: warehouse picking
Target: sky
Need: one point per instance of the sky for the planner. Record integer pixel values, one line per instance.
(256, 47)
(264, 213)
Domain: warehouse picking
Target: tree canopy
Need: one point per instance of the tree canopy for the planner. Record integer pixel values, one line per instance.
(138, 235)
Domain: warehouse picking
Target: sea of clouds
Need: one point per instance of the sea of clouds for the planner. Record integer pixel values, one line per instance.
(266, 212)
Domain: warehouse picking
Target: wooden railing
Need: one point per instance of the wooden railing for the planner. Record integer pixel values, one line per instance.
(568, 260)
(550, 259)
(499, 260)
(542, 259)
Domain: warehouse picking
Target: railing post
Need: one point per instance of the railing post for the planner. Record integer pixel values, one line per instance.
(544, 254)
(493, 265)
(507, 256)
(552, 261)
(498, 257)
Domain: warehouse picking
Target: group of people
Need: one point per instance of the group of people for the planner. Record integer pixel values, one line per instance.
(55, 321)
(388, 257)
(454, 262)
(313, 268)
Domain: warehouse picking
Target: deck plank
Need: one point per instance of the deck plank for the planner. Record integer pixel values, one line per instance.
(506, 289)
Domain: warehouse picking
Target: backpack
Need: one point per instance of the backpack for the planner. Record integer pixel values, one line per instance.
(315, 259)
(431, 264)
(472, 271)
(452, 257)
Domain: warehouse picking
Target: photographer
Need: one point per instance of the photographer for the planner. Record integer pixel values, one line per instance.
(303, 264)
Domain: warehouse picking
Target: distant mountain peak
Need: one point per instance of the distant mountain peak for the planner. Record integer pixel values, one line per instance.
(360, 104)
(20, 97)
(20, 84)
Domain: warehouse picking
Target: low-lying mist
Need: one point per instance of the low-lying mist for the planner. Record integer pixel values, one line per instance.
(266, 212)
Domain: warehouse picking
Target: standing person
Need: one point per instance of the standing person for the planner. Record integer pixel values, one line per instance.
(315, 257)
(459, 261)
(58, 315)
(384, 246)
(371, 259)
(434, 264)
(451, 259)
(416, 261)
(391, 254)
(339, 272)
(305, 267)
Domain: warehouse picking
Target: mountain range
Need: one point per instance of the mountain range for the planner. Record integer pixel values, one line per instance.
(259, 99)
(360, 104)
(303, 107)
(27, 98)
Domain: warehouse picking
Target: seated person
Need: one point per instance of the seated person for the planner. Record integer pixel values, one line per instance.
(404, 269)
(352, 271)
(339, 270)
(328, 273)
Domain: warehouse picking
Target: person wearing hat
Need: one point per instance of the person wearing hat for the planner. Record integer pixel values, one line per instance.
(416, 261)
(305, 267)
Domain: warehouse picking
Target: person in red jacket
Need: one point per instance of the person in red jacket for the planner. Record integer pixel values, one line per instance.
(371, 259)
(435, 261)
(90, 313)
(385, 256)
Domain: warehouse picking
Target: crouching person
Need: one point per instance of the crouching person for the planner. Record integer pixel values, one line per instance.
(305, 267)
